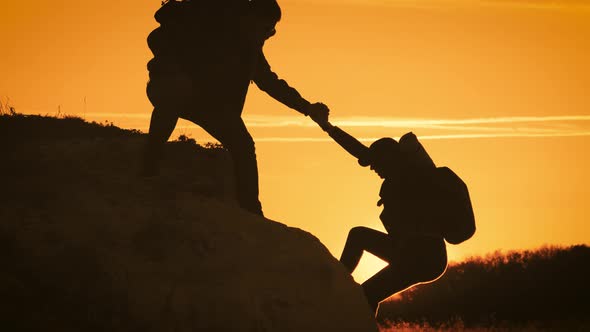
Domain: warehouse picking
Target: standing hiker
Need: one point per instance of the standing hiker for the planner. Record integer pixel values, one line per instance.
(206, 53)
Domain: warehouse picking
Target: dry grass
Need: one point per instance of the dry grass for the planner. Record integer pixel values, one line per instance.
(459, 326)
(6, 108)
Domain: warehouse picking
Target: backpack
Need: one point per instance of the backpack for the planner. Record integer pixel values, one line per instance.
(192, 32)
(454, 206)
(173, 19)
(438, 200)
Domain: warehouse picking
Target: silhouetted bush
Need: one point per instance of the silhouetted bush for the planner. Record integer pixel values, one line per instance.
(548, 286)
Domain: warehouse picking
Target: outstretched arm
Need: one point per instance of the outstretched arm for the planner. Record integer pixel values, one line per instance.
(345, 140)
(280, 90)
(277, 88)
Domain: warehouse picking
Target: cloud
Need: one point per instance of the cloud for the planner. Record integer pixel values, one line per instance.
(295, 128)
(532, 124)
(424, 137)
(467, 128)
(263, 120)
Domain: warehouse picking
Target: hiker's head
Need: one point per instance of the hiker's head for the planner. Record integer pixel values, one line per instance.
(266, 14)
(383, 156)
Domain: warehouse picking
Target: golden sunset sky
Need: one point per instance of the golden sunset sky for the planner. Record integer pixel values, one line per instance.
(498, 90)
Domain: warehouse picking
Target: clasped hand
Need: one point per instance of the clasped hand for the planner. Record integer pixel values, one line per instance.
(319, 113)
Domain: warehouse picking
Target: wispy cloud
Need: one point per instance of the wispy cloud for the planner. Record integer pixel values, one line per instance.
(285, 121)
(434, 129)
(295, 128)
(358, 121)
(518, 126)
(426, 137)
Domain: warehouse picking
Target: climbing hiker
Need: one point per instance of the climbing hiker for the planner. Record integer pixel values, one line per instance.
(423, 205)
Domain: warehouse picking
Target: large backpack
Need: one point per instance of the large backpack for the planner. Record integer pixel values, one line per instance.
(454, 206)
(440, 202)
(192, 32)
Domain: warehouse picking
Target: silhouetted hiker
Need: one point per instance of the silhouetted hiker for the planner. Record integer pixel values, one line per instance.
(422, 206)
(206, 53)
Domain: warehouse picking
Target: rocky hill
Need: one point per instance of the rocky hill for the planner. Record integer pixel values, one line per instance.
(89, 245)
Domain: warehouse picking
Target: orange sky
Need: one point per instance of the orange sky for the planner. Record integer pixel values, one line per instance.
(497, 90)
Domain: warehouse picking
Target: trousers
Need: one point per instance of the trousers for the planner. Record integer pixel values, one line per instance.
(412, 260)
(227, 127)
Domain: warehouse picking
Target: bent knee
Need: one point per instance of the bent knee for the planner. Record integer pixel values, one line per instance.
(361, 232)
(356, 232)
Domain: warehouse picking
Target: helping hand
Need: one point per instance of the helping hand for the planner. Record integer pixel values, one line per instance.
(319, 113)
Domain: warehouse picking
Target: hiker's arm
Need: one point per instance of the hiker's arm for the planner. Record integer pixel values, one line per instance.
(345, 140)
(277, 88)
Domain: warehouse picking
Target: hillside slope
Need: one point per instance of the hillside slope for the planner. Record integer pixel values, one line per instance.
(88, 245)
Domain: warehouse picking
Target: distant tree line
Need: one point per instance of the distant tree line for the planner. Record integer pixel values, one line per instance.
(546, 285)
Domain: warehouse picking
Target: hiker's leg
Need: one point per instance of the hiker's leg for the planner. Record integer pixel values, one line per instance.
(385, 283)
(162, 125)
(365, 239)
(170, 94)
(412, 261)
(233, 134)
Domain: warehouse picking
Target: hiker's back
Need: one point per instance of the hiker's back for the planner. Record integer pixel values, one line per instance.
(426, 199)
(194, 35)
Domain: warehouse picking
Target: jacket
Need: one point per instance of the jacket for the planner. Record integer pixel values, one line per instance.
(217, 62)
(406, 196)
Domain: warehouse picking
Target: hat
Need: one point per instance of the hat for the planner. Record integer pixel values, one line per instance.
(381, 148)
